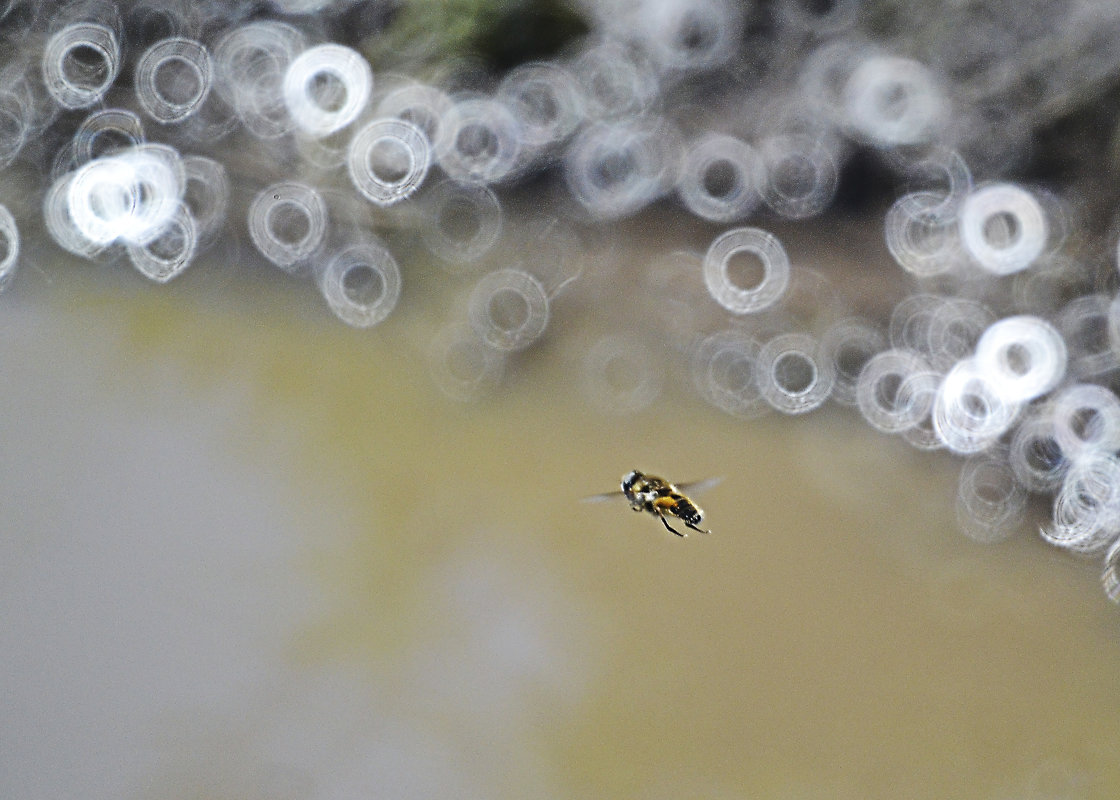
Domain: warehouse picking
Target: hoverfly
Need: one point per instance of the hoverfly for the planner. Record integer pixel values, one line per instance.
(661, 498)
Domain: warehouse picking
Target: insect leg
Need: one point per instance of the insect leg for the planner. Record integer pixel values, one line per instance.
(690, 525)
(665, 522)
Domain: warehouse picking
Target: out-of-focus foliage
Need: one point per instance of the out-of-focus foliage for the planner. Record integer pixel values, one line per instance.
(502, 32)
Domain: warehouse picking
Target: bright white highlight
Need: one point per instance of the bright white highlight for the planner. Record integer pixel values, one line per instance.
(326, 87)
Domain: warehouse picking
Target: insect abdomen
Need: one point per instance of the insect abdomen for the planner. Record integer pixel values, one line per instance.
(688, 512)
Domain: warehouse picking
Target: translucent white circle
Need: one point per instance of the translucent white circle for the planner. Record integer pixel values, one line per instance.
(1085, 322)
(173, 78)
(920, 389)
(1003, 228)
(166, 255)
(990, 501)
(418, 103)
(558, 255)
(910, 320)
(824, 72)
(792, 376)
(969, 413)
(212, 121)
(545, 101)
(621, 375)
(9, 247)
(1060, 220)
(463, 367)
(894, 101)
(686, 35)
(721, 178)
(1025, 356)
(952, 178)
(478, 141)
(724, 369)
(1086, 419)
(756, 243)
(508, 309)
(80, 63)
(849, 344)
(880, 394)
(1035, 455)
(955, 326)
(129, 196)
(1041, 289)
(105, 132)
(287, 223)
(801, 175)
(206, 195)
(1110, 577)
(615, 169)
(14, 128)
(361, 283)
(327, 154)
(810, 302)
(463, 221)
(23, 99)
(616, 80)
(326, 87)
(921, 240)
(60, 225)
(1087, 508)
(387, 160)
(250, 63)
(943, 329)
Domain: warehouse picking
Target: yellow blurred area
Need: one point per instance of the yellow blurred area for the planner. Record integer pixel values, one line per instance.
(416, 603)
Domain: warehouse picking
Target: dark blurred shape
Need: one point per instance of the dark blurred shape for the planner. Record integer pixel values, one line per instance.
(528, 30)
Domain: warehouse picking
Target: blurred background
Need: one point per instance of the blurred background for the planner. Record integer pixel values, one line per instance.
(319, 319)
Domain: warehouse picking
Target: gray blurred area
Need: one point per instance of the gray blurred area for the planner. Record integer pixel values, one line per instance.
(305, 371)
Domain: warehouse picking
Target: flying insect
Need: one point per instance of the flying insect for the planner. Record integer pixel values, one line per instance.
(657, 496)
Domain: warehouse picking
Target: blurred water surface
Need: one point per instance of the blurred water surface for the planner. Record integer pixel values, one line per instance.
(248, 553)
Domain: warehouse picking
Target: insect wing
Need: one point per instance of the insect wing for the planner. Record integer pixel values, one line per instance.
(695, 487)
(599, 498)
(700, 486)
